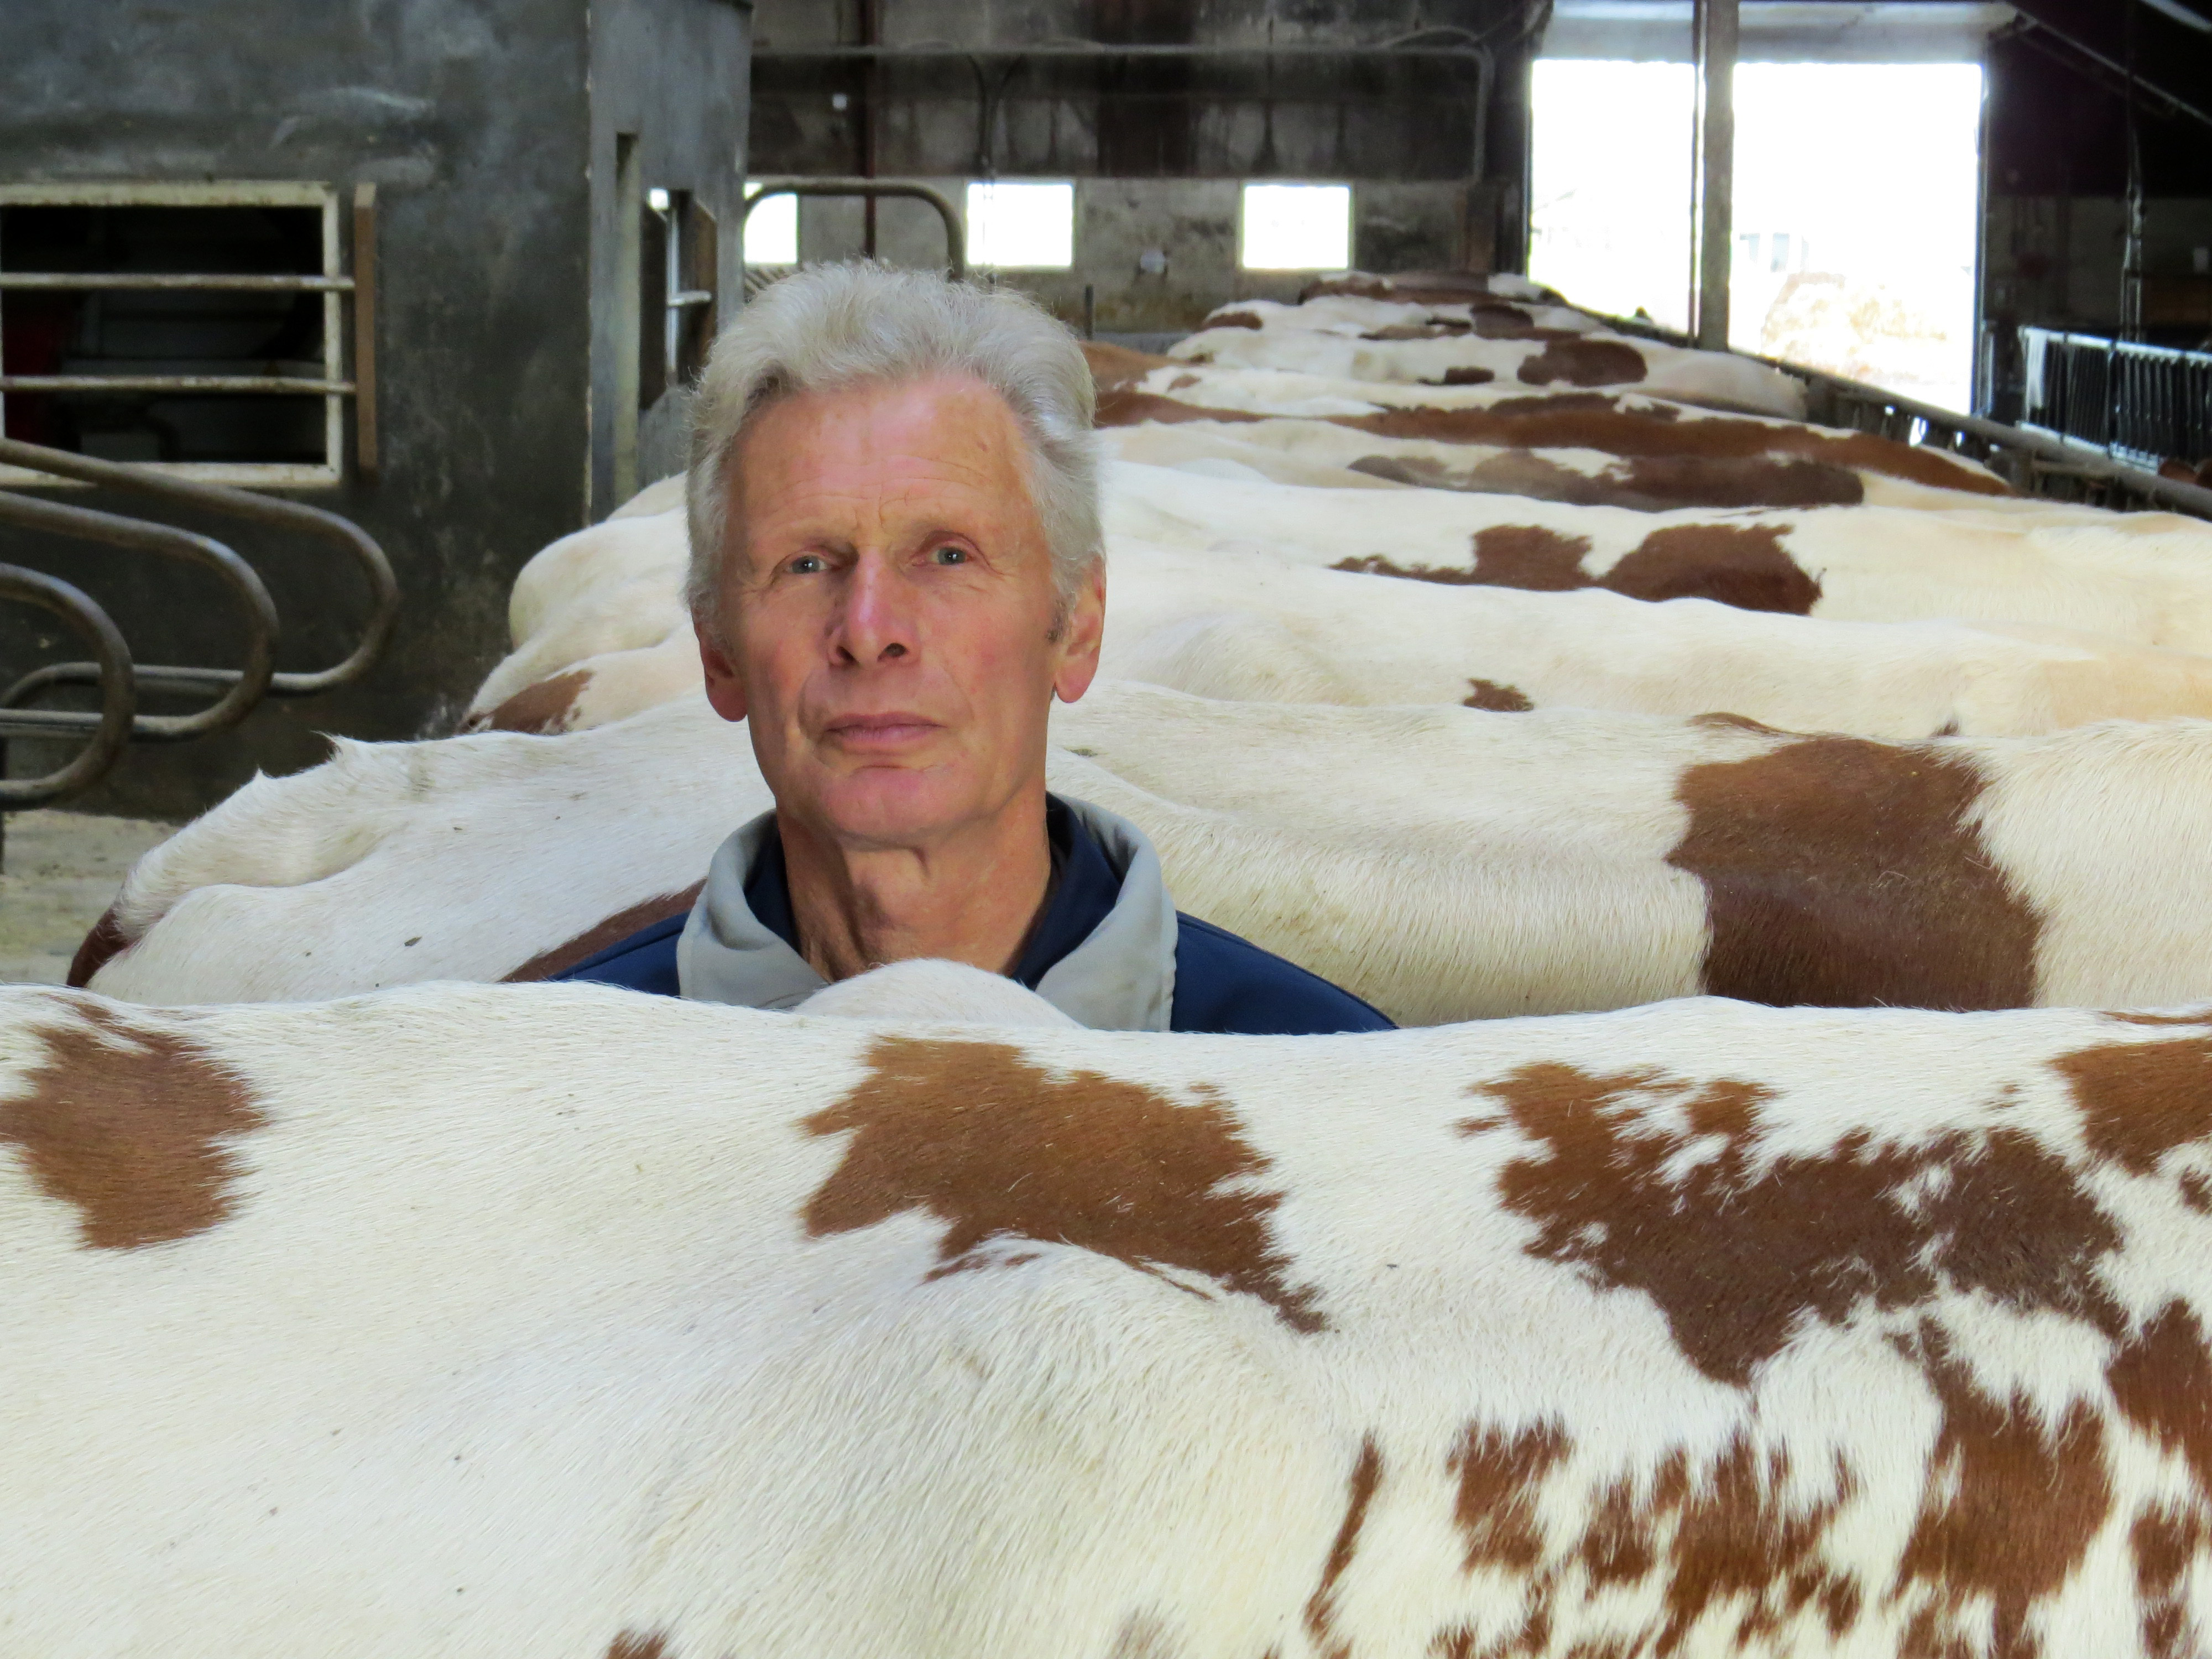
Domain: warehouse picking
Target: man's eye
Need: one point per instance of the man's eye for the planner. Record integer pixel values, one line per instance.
(806, 564)
(950, 555)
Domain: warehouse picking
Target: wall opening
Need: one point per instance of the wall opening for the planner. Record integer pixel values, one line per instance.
(1295, 227)
(167, 324)
(1857, 257)
(1022, 227)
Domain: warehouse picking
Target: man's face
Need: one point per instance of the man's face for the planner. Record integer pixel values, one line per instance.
(889, 613)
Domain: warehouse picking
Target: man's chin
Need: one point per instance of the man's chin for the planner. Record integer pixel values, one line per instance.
(896, 806)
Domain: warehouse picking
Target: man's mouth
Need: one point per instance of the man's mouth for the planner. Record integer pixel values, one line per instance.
(880, 731)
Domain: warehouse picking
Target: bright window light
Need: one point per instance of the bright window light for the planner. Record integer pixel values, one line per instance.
(1297, 227)
(1875, 285)
(1028, 226)
(772, 233)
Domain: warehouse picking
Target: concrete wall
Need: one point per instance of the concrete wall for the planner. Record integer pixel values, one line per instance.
(1156, 150)
(1191, 223)
(476, 120)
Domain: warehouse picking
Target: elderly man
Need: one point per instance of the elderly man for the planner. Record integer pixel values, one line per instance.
(896, 567)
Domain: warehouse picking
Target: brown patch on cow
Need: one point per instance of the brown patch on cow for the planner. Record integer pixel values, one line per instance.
(635, 1644)
(1995, 1463)
(1427, 287)
(1182, 381)
(1720, 718)
(1233, 320)
(1737, 1252)
(1530, 557)
(544, 708)
(1646, 428)
(1435, 328)
(2141, 1100)
(595, 938)
(1320, 1608)
(1522, 555)
(1497, 699)
(1464, 374)
(995, 1147)
(1500, 1473)
(1662, 485)
(1739, 565)
(2161, 1380)
(1127, 406)
(1843, 874)
(1113, 367)
(2130, 1018)
(2166, 1543)
(133, 1127)
(97, 949)
(1580, 360)
(1737, 1541)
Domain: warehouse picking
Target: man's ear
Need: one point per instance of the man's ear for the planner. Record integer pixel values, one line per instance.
(725, 691)
(1081, 635)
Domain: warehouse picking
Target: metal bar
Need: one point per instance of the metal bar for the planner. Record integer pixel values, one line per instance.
(118, 694)
(254, 383)
(955, 238)
(1078, 49)
(83, 523)
(121, 282)
(368, 457)
(375, 568)
(690, 296)
(1715, 24)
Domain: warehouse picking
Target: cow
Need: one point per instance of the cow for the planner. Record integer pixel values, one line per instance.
(1134, 386)
(1248, 627)
(1289, 449)
(484, 1322)
(1539, 357)
(1440, 863)
(2149, 584)
(1360, 318)
(1431, 288)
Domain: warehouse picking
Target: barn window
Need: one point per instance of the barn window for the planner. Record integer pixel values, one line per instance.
(772, 231)
(1297, 227)
(1027, 227)
(680, 268)
(196, 327)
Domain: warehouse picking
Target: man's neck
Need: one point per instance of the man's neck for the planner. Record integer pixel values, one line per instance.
(972, 899)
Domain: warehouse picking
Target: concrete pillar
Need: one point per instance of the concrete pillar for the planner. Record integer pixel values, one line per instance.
(1713, 234)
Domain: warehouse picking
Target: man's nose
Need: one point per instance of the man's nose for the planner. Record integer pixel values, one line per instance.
(875, 621)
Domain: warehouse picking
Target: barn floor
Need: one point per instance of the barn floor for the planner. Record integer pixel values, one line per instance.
(60, 871)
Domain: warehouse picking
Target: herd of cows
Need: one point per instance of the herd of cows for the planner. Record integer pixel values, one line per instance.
(1487, 662)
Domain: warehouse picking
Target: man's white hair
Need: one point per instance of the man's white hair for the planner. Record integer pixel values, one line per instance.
(834, 326)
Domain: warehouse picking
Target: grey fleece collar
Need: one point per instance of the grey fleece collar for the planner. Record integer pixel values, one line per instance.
(1121, 978)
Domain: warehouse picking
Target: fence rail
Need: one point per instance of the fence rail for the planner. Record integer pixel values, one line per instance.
(2143, 404)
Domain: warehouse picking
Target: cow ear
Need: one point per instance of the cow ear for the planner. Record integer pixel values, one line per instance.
(726, 691)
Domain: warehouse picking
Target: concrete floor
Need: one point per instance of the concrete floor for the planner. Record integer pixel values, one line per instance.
(60, 871)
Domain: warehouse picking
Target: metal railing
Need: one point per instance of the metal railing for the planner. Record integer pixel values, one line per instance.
(233, 692)
(2035, 462)
(333, 385)
(2143, 404)
(956, 239)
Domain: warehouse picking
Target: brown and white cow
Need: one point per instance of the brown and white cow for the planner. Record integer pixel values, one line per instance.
(1289, 449)
(484, 1322)
(1251, 627)
(1442, 863)
(1476, 343)
(2148, 583)
(1629, 426)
